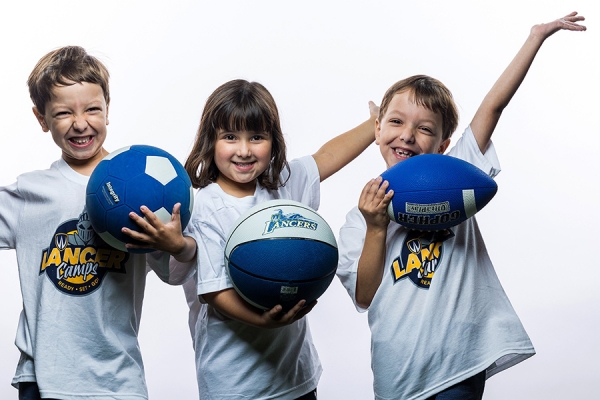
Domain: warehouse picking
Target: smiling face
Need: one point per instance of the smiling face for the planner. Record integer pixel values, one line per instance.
(241, 157)
(77, 116)
(408, 129)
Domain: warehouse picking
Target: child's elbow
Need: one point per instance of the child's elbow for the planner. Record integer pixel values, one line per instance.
(363, 302)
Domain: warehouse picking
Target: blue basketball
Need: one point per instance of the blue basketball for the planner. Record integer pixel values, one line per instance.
(281, 252)
(435, 191)
(131, 177)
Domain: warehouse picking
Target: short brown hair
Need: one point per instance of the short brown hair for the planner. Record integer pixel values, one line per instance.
(237, 105)
(429, 93)
(63, 67)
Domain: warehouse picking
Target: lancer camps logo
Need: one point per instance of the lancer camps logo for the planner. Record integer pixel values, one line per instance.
(420, 256)
(77, 259)
(292, 220)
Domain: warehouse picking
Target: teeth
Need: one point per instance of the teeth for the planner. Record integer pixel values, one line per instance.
(404, 153)
(81, 140)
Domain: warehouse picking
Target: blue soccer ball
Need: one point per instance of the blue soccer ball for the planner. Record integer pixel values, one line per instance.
(131, 177)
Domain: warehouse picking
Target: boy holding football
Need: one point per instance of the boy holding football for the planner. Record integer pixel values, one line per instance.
(82, 299)
(440, 321)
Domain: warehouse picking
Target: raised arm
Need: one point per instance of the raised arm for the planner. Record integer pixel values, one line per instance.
(487, 116)
(342, 149)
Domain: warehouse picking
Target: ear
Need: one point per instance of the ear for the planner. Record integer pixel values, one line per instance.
(444, 146)
(107, 114)
(40, 119)
(377, 131)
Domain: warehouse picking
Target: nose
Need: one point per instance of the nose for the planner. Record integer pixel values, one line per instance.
(407, 135)
(80, 123)
(243, 149)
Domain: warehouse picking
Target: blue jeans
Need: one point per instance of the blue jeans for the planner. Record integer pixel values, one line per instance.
(469, 389)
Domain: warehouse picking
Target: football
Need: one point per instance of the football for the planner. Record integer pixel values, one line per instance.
(281, 252)
(131, 177)
(435, 191)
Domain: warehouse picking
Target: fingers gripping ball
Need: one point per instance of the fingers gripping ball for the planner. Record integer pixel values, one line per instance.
(281, 252)
(435, 191)
(131, 177)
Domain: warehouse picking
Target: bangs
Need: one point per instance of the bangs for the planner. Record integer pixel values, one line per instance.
(244, 116)
(430, 97)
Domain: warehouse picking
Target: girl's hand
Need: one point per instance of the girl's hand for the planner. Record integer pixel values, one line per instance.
(568, 22)
(373, 203)
(373, 110)
(275, 318)
(154, 234)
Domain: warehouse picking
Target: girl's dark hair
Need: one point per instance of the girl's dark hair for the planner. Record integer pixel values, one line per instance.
(237, 105)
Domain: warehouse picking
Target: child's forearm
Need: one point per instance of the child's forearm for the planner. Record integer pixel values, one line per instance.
(230, 304)
(370, 266)
(342, 149)
(188, 253)
(487, 116)
(489, 112)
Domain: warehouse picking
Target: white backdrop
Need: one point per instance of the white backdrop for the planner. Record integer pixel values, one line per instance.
(323, 61)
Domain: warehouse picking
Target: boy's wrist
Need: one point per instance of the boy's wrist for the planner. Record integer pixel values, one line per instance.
(187, 251)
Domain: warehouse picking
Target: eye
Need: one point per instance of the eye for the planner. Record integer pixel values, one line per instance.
(94, 109)
(61, 114)
(395, 121)
(229, 136)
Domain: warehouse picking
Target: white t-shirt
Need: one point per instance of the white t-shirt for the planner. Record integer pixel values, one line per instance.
(82, 299)
(236, 360)
(440, 314)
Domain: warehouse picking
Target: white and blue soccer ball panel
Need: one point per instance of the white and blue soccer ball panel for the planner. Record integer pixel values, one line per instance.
(435, 191)
(129, 178)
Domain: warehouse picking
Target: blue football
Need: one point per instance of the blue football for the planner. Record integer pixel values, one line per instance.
(131, 177)
(434, 191)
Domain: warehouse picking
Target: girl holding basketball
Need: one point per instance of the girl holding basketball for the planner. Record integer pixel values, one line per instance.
(239, 160)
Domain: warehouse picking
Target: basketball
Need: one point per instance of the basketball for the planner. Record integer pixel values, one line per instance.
(281, 252)
(129, 178)
(435, 191)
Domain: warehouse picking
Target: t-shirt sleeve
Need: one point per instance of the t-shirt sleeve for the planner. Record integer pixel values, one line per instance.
(168, 269)
(10, 209)
(208, 227)
(304, 184)
(466, 148)
(350, 245)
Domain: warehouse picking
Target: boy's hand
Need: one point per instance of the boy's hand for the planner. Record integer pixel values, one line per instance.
(154, 234)
(373, 203)
(568, 22)
(274, 318)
